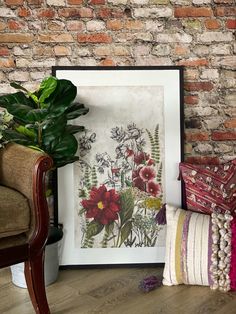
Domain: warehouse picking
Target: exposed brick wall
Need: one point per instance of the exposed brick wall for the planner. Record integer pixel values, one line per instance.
(199, 34)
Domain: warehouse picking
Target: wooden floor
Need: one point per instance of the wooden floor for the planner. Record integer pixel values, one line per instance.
(115, 291)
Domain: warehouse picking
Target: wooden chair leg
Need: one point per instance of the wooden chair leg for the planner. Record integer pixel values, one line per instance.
(34, 275)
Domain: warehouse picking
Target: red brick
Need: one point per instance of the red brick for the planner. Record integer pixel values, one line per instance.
(197, 86)
(16, 38)
(212, 24)
(94, 38)
(114, 25)
(107, 62)
(71, 12)
(231, 123)
(106, 13)
(196, 136)
(97, 2)
(46, 13)
(15, 25)
(192, 12)
(24, 12)
(225, 11)
(14, 2)
(223, 136)
(191, 100)
(74, 2)
(7, 63)
(206, 160)
(193, 62)
(181, 50)
(55, 37)
(231, 24)
(4, 51)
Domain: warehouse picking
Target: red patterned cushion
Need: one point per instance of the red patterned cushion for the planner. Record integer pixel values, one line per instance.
(210, 187)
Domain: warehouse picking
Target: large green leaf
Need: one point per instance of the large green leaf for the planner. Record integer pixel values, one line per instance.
(72, 129)
(60, 162)
(93, 229)
(27, 132)
(46, 88)
(125, 232)
(36, 115)
(66, 147)
(76, 110)
(127, 205)
(20, 113)
(52, 131)
(13, 100)
(62, 97)
(14, 136)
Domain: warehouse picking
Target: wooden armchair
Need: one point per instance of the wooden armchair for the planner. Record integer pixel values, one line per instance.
(24, 218)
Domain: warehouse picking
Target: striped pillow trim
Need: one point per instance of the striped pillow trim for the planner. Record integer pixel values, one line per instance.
(187, 247)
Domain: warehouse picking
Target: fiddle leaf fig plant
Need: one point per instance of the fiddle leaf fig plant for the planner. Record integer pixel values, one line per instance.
(41, 118)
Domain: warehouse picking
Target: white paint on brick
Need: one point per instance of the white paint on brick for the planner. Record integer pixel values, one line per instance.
(58, 3)
(203, 148)
(223, 148)
(201, 2)
(86, 61)
(154, 26)
(201, 50)
(30, 63)
(174, 38)
(142, 50)
(83, 52)
(198, 111)
(63, 61)
(220, 49)
(20, 76)
(209, 37)
(152, 60)
(94, 26)
(209, 74)
(6, 89)
(161, 50)
(117, 2)
(227, 62)
(6, 12)
(181, 2)
(153, 12)
(139, 2)
(18, 51)
(38, 75)
(213, 123)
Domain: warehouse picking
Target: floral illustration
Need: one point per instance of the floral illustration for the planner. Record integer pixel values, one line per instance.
(122, 191)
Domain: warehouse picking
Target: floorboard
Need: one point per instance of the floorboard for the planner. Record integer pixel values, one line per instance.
(115, 291)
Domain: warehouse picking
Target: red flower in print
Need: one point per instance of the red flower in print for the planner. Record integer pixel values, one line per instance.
(147, 173)
(103, 205)
(140, 158)
(153, 188)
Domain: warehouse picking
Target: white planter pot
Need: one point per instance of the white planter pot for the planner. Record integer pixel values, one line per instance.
(51, 267)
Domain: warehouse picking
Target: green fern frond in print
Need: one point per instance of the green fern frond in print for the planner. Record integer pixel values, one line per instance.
(154, 141)
(87, 178)
(88, 241)
(157, 144)
(159, 173)
(94, 178)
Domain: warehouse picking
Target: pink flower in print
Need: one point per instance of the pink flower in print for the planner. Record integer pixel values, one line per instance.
(147, 173)
(140, 158)
(153, 188)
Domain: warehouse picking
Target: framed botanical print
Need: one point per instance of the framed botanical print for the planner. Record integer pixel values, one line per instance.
(128, 167)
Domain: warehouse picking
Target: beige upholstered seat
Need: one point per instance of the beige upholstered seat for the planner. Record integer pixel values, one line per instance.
(14, 213)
